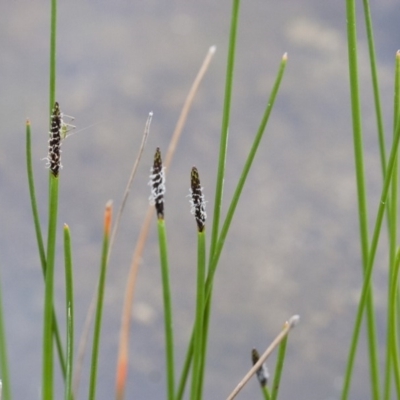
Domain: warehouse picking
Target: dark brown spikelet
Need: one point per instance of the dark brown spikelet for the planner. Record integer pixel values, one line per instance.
(262, 372)
(197, 200)
(54, 156)
(157, 183)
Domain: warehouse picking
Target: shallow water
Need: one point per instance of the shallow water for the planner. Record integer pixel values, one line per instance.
(293, 246)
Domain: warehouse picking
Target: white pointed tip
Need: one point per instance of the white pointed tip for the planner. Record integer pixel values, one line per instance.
(285, 57)
(150, 113)
(212, 49)
(294, 320)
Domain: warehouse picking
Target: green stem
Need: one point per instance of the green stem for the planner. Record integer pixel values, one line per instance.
(371, 258)
(265, 392)
(225, 125)
(279, 368)
(394, 345)
(47, 383)
(169, 337)
(53, 53)
(198, 326)
(375, 84)
(99, 311)
(392, 241)
(5, 373)
(69, 312)
(186, 368)
(225, 228)
(39, 239)
(361, 191)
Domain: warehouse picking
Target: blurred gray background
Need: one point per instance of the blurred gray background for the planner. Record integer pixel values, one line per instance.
(293, 246)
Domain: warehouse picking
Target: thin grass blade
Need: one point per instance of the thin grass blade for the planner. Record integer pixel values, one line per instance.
(100, 300)
(69, 292)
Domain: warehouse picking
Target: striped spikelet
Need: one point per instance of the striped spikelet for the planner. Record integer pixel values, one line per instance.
(157, 183)
(197, 202)
(54, 155)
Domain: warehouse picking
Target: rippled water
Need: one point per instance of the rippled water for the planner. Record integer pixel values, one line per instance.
(293, 246)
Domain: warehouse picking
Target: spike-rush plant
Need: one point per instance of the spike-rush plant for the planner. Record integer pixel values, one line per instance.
(192, 372)
(195, 362)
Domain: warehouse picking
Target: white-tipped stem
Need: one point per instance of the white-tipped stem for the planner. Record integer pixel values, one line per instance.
(130, 180)
(89, 317)
(291, 323)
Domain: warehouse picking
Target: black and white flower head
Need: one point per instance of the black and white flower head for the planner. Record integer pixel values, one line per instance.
(157, 183)
(197, 202)
(262, 372)
(54, 152)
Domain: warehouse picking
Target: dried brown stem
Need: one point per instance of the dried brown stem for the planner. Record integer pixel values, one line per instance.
(123, 354)
(288, 326)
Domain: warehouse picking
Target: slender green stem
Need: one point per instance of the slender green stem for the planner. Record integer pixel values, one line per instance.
(169, 337)
(392, 241)
(39, 239)
(371, 259)
(53, 53)
(243, 176)
(265, 392)
(5, 373)
(279, 368)
(225, 125)
(69, 289)
(361, 191)
(228, 220)
(185, 369)
(99, 305)
(47, 384)
(198, 326)
(32, 193)
(375, 84)
(394, 345)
